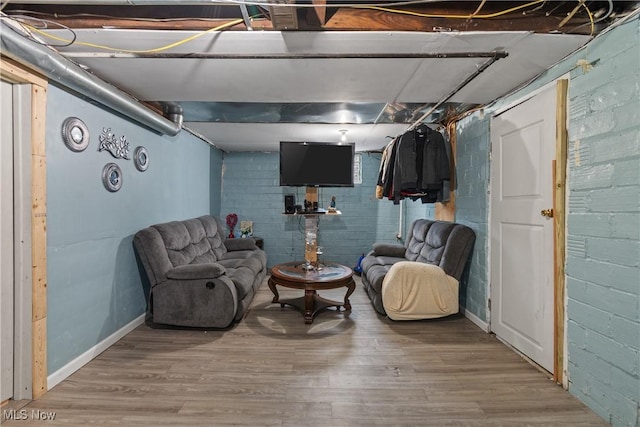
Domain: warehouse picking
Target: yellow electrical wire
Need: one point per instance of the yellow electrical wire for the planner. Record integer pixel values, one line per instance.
(593, 24)
(429, 15)
(384, 9)
(475, 14)
(154, 50)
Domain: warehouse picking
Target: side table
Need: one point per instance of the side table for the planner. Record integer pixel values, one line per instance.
(259, 242)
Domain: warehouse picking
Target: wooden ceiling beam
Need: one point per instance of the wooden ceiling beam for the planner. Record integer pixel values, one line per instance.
(320, 8)
(349, 20)
(376, 20)
(543, 17)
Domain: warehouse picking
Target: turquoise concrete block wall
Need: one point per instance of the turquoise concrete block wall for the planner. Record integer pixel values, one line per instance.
(472, 159)
(94, 286)
(603, 219)
(250, 188)
(215, 181)
(603, 243)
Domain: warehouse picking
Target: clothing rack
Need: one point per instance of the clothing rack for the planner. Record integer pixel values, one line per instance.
(441, 193)
(498, 54)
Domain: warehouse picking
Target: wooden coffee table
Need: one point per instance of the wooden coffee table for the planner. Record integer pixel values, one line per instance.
(293, 275)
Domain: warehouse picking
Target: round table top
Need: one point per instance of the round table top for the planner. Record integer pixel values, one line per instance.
(328, 273)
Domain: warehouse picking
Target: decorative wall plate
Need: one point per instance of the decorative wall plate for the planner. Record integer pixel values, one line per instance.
(75, 134)
(112, 177)
(119, 148)
(141, 158)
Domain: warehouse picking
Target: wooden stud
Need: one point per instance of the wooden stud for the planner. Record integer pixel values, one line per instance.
(559, 222)
(12, 72)
(39, 270)
(39, 239)
(39, 113)
(447, 211)
(39, 362)
(320, 9)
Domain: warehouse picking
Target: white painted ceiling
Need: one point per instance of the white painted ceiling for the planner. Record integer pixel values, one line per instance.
(336, 80)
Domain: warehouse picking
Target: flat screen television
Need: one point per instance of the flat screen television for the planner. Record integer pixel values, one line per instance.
(316, 164)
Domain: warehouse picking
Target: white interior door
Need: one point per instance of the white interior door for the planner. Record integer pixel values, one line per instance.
(522, 279)
(6, 242)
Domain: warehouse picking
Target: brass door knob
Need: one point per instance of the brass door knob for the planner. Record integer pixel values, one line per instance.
(548, 213)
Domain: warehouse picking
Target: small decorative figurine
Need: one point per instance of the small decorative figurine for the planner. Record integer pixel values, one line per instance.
(333, 202)
(232, 220)
(246, 228)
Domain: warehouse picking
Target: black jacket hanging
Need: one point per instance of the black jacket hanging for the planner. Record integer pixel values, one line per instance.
(407, 162)
(435, 162)
(415, 165)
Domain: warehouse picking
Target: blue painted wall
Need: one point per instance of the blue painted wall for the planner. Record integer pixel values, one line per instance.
(603, 243)
(251, 190)
(472, 163)
(94, 286)
(603, 222)
(215, 181)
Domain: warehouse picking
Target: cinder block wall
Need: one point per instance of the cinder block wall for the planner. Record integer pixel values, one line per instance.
(603, 222)
(250, 188)
(603, 244)
(472, 158)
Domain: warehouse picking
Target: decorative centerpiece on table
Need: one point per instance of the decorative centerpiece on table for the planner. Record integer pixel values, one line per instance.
(232, 220)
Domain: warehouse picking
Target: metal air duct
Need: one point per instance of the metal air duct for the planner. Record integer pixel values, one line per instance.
(68, 74)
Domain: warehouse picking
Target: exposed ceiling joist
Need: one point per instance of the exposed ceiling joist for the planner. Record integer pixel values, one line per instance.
(313, 79)
(320, 9)
(434, 16)
(376, 20)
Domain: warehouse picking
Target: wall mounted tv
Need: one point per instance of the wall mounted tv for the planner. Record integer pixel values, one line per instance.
(316, 164)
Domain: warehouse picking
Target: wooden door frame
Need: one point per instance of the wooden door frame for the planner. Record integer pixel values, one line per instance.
(16, 74)
(559, 178)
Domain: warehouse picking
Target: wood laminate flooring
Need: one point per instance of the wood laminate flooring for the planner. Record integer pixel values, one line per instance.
(272, 369)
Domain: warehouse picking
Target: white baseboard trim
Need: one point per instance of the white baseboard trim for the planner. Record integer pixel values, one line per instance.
(476, 320)
(61, 374)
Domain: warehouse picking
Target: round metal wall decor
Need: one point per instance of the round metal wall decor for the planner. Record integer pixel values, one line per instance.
(75, 134)
(141, 158)
(112, 177)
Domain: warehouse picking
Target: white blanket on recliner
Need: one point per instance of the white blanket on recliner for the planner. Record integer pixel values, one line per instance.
(415, 290)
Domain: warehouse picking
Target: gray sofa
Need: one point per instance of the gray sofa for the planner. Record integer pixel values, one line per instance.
(197, 277)
(443, 244)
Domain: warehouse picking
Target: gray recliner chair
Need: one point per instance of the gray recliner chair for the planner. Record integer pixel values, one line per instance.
(420, 279)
